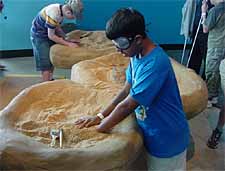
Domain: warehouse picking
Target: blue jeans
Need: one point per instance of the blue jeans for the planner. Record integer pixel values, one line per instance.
(41, 49)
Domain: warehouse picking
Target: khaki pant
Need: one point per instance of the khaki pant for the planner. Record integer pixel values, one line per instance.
(176, 163)
(222, 75)
(213, 59)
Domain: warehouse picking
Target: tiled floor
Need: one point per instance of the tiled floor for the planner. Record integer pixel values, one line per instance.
(201, 126)
(25, 66)
(206, 159)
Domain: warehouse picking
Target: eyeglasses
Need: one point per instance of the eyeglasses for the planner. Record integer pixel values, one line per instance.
(123, 43)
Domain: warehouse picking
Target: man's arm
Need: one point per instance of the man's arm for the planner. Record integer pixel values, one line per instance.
(204, 11)
(205, 28)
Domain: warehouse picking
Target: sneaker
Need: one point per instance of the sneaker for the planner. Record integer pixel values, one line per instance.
(214, 139)
(209, 104)
(218, 105)
(213, 101)
(2, 68)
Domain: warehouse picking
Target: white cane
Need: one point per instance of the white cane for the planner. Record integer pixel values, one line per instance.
(199, 24)
(193, 45)
(185, 44)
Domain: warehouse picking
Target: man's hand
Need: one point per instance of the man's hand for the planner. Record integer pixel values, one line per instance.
(87, 121)
(204, 6)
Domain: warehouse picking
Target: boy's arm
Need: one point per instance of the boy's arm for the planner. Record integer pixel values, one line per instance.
(120, 97)
(94, 120)
(52, 36)
(60, 32)
(121, 111)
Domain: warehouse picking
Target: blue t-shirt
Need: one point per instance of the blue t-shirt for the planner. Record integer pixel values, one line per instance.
(160, 113)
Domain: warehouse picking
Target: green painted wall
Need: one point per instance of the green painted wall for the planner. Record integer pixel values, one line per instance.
(164, 17)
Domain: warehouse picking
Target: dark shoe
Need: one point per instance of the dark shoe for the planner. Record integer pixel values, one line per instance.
(212, 101)
(214, 139)
(2, 68)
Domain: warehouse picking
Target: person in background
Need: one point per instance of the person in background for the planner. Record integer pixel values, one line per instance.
(214, 24)
(150, 90)
(46, 30)
(200, 48)
(213, 141)
(190, 22)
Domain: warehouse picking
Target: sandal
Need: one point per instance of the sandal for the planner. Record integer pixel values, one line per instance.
(214, 139)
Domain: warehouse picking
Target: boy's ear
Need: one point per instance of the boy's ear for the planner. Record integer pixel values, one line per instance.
(68, 12)
(138, 39)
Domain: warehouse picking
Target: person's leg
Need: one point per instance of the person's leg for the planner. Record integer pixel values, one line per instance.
(51, 75)
(213, 141)
(36, 54)
(46, 66)
(216, 134)
(213, 60)
(195, 59)
(203, 51)
(46, 75)
(221, 121)
(190, 148)
(176, 163)
(199, 53)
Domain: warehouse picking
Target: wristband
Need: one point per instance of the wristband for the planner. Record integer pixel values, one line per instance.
(100, 115)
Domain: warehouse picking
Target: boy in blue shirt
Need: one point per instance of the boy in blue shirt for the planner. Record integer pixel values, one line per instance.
(150, 90)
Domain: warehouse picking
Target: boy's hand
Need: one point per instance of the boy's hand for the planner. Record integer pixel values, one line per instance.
(71, 44)
(72, 40)
(87, 121)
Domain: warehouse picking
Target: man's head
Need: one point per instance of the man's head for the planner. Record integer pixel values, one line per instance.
(126, 29)
(75, 7)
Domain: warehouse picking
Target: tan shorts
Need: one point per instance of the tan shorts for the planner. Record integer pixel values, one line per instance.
(222, 75)
(176, 163)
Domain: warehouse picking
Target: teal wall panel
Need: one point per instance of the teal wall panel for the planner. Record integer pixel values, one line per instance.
(15, 23)
(164, 17)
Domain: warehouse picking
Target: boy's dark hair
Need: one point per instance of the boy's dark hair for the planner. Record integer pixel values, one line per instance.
(126, 22)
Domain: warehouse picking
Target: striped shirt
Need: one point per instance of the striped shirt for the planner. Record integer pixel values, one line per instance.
(49, 17)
